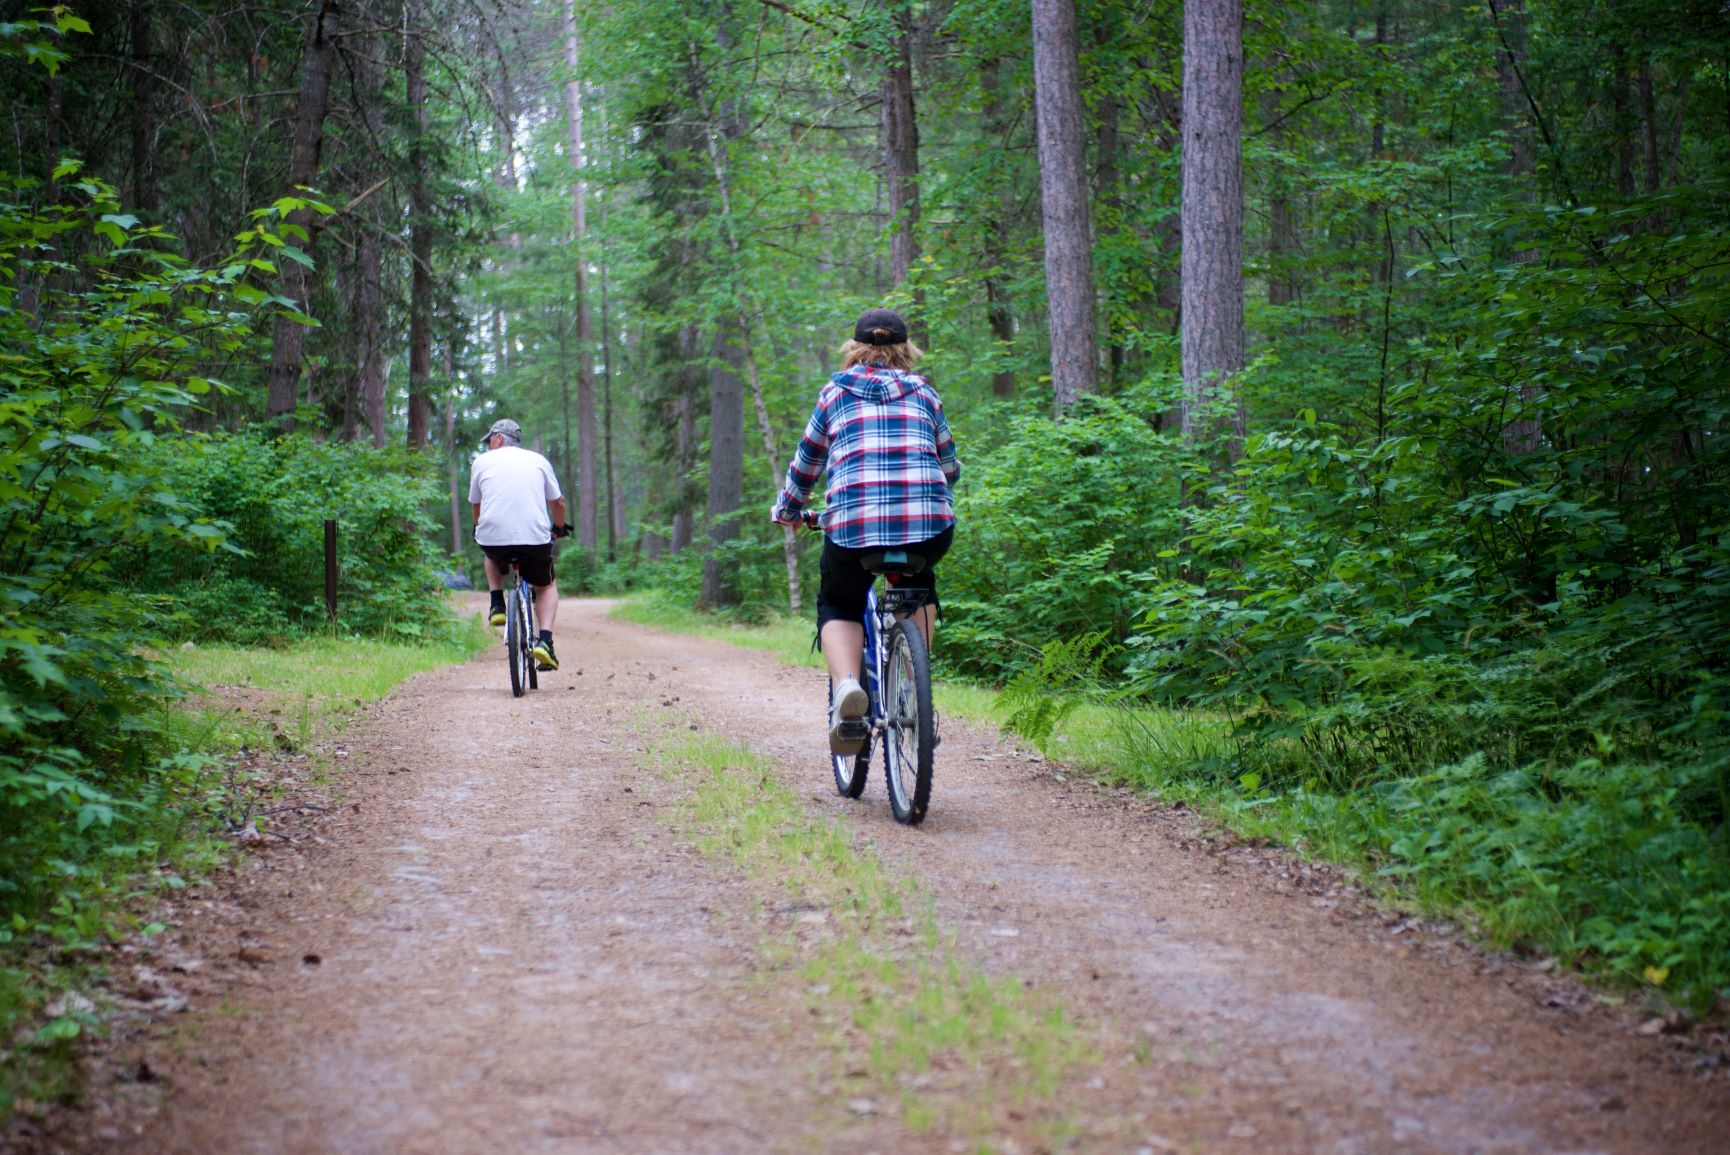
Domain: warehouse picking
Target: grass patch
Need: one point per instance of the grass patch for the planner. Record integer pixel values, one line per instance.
(787, 637)
(247, 696)
(242, 699)
(881, 978)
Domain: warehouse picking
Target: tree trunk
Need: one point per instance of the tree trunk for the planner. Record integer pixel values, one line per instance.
(1621, 109)
(420, 242)
(1109, 181)
(372, 357)
(901, 152)
(615, 506)
(1064, 200)
(288, 338)
(1510, 21)
(454, 462)
(587, 537)
(997, 311)
(1212, 331)
(685, 444)
(726, 464)
(143, 108)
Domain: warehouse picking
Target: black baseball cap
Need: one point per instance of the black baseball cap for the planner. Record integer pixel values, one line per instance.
(880, 327)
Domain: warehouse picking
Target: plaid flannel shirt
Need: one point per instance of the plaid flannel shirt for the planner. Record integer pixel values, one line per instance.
(891, 461)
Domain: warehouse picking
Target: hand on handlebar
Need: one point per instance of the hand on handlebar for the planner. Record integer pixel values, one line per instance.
(562, 531)
(808, 518)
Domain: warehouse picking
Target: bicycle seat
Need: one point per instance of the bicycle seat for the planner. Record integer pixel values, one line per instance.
(893, 561)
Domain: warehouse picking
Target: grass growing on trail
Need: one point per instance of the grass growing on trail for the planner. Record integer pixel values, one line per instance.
(262, 699)
(879, 975)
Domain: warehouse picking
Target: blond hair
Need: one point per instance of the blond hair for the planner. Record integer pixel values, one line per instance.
(903, 356)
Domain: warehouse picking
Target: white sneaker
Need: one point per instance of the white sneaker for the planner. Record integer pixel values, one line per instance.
(847, 729)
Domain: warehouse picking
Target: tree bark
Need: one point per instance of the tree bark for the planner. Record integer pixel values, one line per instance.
(143, 108)
(587, 537)
(685, 446)
(998, 313)
(1212, 271)
(1064, 199)
(372, 358)
(288, 338)
(901, 152)
(420, 241)
(1510, 18)
(726, 464)
(615, 506)
(1109, 180)
(453, 464)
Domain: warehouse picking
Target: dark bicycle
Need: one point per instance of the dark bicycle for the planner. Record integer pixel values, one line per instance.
(521, 630)
(897, 678)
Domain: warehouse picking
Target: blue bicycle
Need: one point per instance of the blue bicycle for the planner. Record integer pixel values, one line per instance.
(897, 678)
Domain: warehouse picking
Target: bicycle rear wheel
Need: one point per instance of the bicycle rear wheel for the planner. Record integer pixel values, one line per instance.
(910, 723)
(516, 641)
(851, 770)
(532, 634)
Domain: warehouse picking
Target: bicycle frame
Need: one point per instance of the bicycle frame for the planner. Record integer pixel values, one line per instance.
(880, 616)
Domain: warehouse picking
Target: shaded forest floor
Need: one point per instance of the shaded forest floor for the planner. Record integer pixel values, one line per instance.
(629, 913)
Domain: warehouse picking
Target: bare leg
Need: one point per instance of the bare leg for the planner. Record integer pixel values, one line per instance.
(547, 605)
(843, 649)
(495, 577)
(927, 618)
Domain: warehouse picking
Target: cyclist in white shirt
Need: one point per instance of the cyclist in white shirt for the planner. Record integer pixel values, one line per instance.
(518, 511)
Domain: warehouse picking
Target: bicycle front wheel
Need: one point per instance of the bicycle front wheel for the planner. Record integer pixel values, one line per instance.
(517, 642)
(910, 723)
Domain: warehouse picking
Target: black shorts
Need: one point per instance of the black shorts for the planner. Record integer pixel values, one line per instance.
(535, 561)
(841, 593)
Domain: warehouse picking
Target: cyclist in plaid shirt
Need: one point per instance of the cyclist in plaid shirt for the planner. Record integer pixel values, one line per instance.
(879, 430)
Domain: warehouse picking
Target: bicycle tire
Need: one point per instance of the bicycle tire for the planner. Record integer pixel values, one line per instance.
(533, 635)
(516, 643)
(851, 770)
(909, 723)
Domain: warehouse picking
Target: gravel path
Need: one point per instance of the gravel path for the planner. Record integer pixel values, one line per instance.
(500, 948)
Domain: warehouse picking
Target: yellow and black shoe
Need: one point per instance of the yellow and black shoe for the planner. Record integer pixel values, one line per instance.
(496, 613)
(545, 659)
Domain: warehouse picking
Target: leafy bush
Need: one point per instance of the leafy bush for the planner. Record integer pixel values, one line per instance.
(270, 496)
(1061, 531)
(105, 332)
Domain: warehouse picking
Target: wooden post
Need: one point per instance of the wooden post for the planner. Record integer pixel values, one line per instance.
(330, 568)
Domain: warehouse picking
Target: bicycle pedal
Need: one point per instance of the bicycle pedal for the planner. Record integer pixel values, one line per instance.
(853, 730)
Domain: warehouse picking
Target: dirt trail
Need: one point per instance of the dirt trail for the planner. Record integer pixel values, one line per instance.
(501, 949)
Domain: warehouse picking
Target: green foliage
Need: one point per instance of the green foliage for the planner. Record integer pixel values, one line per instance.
(1060, 529)
(270, 497)
(105, 335)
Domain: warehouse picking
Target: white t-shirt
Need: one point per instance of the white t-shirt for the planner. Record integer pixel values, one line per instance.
(512, 486)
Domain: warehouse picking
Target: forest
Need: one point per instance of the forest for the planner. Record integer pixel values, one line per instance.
(1340, 388)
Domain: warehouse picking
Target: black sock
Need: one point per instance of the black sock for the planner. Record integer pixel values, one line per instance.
(498, 599)
(547, 636)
